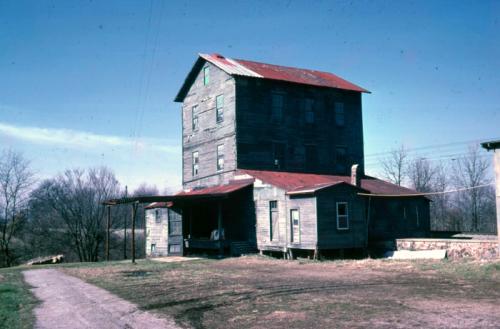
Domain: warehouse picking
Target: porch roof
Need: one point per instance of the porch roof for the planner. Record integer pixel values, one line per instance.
(214, 192)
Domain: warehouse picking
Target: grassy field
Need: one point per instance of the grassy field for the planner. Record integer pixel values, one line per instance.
(260, 292)
(16, 301)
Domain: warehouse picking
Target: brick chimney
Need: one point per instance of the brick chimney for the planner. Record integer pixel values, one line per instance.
(355, 175)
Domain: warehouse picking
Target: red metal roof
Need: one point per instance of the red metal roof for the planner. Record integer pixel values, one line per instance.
(302, 76)
(307, 183)
(215, 191)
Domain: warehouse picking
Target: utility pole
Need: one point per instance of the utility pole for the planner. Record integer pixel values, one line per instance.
(134, 213)
(125, 229)
(108, 226)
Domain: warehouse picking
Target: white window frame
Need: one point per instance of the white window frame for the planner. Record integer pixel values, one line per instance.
(219, 157)
(219, 108)
(194, 118)
(195, 163)
(346, 216)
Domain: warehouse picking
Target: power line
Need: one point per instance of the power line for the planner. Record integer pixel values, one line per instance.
(434, 146)
(424, 194)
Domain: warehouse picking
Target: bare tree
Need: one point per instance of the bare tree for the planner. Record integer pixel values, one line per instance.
(471, 171)
(75, 199)
(421, 174)
(16, 180)
(395, 164)
(146, 190)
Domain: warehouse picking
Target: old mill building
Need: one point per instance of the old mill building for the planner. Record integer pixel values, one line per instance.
(272, 160)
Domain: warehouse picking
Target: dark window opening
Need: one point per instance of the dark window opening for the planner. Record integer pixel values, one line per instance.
(273, 220)
(277, 107)
(219, 105)
(339, 114)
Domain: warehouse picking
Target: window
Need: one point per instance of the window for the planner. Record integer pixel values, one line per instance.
(220, 157)
(277, 107)
(340, 158)
(196, 161)
(206, 75)
(219, 105)
(273, 220)
(309, 110)
(342, 216)
(339, 114)
(157, 216)
(295, 225)
(194, 117)
(153, 247)
(311, 156)
(279, 155)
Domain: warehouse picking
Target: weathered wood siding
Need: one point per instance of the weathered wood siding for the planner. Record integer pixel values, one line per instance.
(392, 218)
(157, 233)
(256, 132)
(329, 237)
(307, 221)
(210, 133)
(263, 194)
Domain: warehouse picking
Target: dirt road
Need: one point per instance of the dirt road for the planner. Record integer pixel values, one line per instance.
(68, 302)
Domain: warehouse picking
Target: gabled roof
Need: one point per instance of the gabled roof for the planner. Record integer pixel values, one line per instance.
(300, 183)
(240, 67)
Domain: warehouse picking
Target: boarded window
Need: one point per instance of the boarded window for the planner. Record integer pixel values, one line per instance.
(196, 160)
(206, 75)
(219, 105)
(175, 228)
(342, 216)
(194, 117)
(157, 216)
(311, 156)
(220, 157)
(339, 114)
(273, 220)
(174, 248)
(279, 155)
(277, 107)
(295, 225)
(309, 110)
(340, 158)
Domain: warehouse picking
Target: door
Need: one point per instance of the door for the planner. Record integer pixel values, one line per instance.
(295, 225)
(175, 237)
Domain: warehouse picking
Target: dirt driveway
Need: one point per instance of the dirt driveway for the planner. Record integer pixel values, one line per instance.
(68, 302)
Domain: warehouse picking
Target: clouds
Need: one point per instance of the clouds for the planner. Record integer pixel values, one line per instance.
(86, 140)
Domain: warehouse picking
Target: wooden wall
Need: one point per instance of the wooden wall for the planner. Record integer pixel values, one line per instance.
(307, 221)
(156, 233)
(263, 194)
(392, 218)
(256, 132)
(329, 237)
(209, 133)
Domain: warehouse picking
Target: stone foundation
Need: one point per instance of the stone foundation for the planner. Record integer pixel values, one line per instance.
(456, 248)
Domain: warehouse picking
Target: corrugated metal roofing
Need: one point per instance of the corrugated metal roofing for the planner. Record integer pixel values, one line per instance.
(219, 190)
(294, 183)
(241, 67)
(302, 76)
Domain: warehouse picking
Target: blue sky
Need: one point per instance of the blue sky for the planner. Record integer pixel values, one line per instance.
(85, 83)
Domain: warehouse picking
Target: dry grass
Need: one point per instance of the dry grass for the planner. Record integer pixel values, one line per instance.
(258, 292)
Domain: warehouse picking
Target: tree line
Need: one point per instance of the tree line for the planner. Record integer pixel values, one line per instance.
(470, 209)
(63, 214)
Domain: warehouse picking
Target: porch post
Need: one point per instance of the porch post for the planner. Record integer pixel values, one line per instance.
(219, 226)
(134, 212)
(108, 226)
